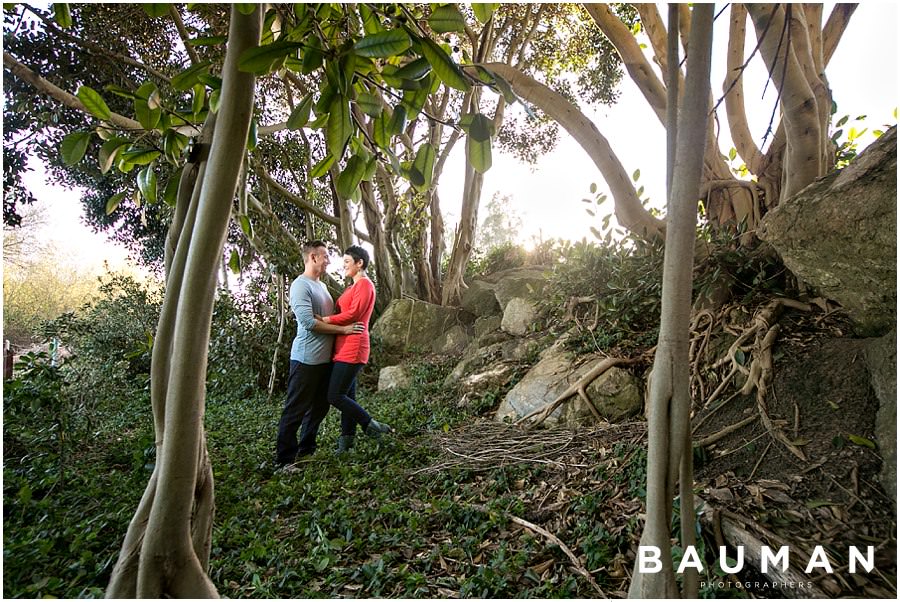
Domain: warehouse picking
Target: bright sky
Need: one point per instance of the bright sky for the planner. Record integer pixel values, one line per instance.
(862, 74)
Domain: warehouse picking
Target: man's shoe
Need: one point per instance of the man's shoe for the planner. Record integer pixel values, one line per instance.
(345, 443)
(288, 469)
(377, 429)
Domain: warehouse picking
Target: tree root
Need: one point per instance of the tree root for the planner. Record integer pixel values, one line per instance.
(710, 439)
(578, 388)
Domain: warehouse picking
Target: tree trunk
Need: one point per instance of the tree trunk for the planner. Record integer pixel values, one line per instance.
(166, 549)
(384, 280)
(669, 445)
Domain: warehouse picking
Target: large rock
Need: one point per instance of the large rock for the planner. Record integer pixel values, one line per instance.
(839, 235)
(453, 342)
(412, 323)
(393, 377)
(881, 357)
(616, 394)
(525, 283)
(519, 316)
(487, 325)
(479, 299)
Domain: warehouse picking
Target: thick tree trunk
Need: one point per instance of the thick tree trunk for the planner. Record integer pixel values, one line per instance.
(669, 406)
(384, 273)
(166, 550)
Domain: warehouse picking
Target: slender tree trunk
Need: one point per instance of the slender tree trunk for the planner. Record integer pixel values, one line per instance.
(166, 549)
(669, 406)
(375, 225)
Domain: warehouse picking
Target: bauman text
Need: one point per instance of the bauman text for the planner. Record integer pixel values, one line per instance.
(649, 559)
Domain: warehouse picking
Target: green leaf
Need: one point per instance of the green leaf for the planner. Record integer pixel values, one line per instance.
(321, 168)
(265, 59)
(253, 134)
(447, 18)
(732, 154)
(369, 104)
(215, 100)
(383, 44)
(94, 103)
(74, 146)
(312, 55)
(170, 194)
(861, 441)
(146, 181)
(109, 151)
(478, 142)
(140, 156)
(484, 10)
(381, 132)
(113, 203)
(148, 117)
(234, 262)
(300, 115)
(156, 9)
(62, 15)
(414, 70)
(371, 22)
(199, 99)
(246, 226)
(443, 66)
(173, 144)
(190, 76)
(636, 175)
(349, 178)
(245, 8)
(339, 128)
(423, 168)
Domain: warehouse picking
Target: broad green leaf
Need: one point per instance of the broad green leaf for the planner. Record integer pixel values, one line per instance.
(339, 127)
(245, 8)
(246, 226)
(447, 18)
(148, 117)
(350, 177)
(173, 144)
(156, 9)
(94, 103)
(371, 22)
(140, 156)
(113, 203)
(423, 168)
(414, 70)
(371, 166)
(383, 44)
(484, 10)
(478, 142)
(414, 100)
(321, 168)
(215, 100)
(74, 146)
(505, 89)
(443, 65)
(234, 262)
(381, 132)
(481, 127)
(312, 55)
(862, 441)
(170, 194)
(300, 115)
(62, 15)
(109, 152)
(190, 76)
(199, 100)
(369, 104)
(146, 181)
(264, 59)
(398, 120)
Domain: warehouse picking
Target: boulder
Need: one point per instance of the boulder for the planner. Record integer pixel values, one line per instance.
(480, 300)
(519, 316)
(453, 342)
(616, 394)
(526, 283)
(474, 359)
(881, 358)
(393, 377)
(412, 323)
(488, 324)
(496, 375)
(839, 235)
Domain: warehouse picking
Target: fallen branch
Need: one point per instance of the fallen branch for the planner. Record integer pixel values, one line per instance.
(710, 439)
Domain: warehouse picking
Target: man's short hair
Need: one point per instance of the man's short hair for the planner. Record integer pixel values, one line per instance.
(358, 254)
(311, 246)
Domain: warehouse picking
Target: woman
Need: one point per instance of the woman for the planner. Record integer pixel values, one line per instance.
(351, 352)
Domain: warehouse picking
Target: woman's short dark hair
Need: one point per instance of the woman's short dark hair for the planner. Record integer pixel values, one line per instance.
(358, 254)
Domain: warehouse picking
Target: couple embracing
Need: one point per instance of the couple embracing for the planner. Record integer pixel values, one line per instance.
(330, 349)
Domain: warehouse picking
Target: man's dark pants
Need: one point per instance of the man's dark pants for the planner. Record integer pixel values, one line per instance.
(307, 403)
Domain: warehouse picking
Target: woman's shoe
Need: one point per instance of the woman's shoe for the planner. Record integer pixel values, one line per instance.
(345, 443)
(377, 429)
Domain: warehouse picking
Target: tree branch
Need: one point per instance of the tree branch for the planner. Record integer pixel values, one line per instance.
(185, 37)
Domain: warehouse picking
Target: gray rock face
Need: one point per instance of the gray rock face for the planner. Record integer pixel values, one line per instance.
(616, 393)
(485, 325)
(393, 377)
(839, 235)
(519, 316)
(881, 358)
(479, 299)
(408, 323)
(453, 342)
(527, 283)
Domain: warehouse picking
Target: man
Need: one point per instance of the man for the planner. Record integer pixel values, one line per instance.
(307, 393)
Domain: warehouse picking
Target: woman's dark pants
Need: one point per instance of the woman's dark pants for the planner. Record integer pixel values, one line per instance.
(342, 395)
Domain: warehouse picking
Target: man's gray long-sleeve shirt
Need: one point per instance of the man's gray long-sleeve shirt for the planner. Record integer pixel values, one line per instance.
(310, 297)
